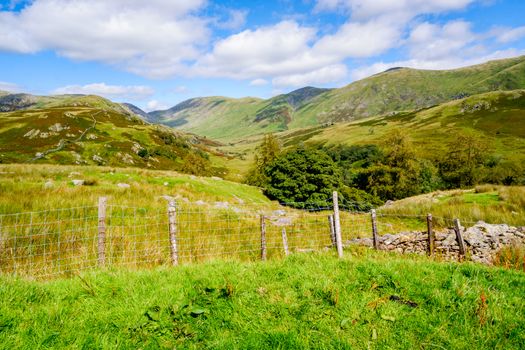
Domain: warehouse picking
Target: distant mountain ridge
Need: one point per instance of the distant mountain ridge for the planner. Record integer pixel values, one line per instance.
(395, 90)
(10, 102)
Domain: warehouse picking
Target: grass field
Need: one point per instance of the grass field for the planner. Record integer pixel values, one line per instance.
(368, 300)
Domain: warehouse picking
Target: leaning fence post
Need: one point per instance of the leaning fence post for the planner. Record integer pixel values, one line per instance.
(285, 242)
(459, 238)
(332, 230)
(102, 231)
(431, 237)
(263, 237)
(374, 229)
(172, 219)
(337, 226)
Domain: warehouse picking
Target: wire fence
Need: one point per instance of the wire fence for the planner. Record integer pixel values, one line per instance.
(63, 242)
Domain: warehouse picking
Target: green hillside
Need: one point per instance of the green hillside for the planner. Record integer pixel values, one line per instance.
(499, 116)
(368, 300)
(226, 118)
(88, 130)
(395, 90)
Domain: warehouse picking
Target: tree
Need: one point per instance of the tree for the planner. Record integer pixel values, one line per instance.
(464, 163)
(307, 178)
(268, 150)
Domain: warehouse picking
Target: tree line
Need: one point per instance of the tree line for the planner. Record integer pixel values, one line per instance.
(368, 175)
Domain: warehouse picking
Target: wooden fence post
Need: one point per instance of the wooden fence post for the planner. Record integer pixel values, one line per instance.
(263, 237)
(332, 230)
(285, 242)
(459, 238)
(431, 237)
(337, 226)
(172, 219)
(374, 229)
(102, 231)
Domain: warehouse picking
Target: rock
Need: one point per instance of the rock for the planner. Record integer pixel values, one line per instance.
(281, 221)
(222, 205)
(32, 133)
(199, 202)
(279, 212)
(57, 127)
(123, 185)
(77, 182)
(49, 184)
(165, 184)
(216, 178)
(98, 159)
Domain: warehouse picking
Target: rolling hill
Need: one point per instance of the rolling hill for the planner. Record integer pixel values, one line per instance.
(77, 129)
(395, 90)
(498, 116)
(228, 118)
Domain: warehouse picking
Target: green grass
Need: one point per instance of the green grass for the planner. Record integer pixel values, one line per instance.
(367, 300)
(504, 204)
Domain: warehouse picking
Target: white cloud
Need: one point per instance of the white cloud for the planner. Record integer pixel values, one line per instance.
(132, 92)
(155, 105)
(236, 20)
(9, 87)
(433, 42)
(507, 35)
(258, 82)
(265, 51)
(321, 76)
(356, 39)
(450, 62)
(367, 9)
(152, 38)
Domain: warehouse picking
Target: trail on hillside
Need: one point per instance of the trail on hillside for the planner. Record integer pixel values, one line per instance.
(63, 142)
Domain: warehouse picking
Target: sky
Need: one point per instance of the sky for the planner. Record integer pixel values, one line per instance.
(157, 53)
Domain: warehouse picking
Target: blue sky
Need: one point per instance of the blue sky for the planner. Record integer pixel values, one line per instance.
(157, 53)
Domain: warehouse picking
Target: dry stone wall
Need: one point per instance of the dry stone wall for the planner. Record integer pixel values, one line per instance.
(482, 241)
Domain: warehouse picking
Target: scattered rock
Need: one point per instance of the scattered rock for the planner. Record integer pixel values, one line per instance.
(49, 184)
(32, 133)
(123, 185)
(199, 202)
(77, 182)
(98, 159)
(222, 205)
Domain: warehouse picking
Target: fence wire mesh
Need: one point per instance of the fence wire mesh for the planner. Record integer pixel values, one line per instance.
(63, 242)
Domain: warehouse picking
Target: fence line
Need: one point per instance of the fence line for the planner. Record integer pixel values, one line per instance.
(65, 241)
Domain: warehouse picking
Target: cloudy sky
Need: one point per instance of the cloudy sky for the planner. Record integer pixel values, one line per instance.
(156, 53)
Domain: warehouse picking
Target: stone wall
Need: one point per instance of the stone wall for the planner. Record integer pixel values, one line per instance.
(482, 241)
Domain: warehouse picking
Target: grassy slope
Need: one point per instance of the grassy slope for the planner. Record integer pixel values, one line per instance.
(407, 89)
(114, 138)
(303, 302)
(22, 187)
(396, 90)
(497, 115)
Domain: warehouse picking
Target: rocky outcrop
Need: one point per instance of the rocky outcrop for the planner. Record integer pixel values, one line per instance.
(482, 241)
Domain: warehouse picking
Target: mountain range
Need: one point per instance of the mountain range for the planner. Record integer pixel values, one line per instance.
(395, 90)
(429, 105)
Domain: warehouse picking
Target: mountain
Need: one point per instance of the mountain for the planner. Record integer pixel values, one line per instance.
(19, 101)
(77, 129)
(395, 90)
(227, 118)
(498, 116)
(135, 110)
